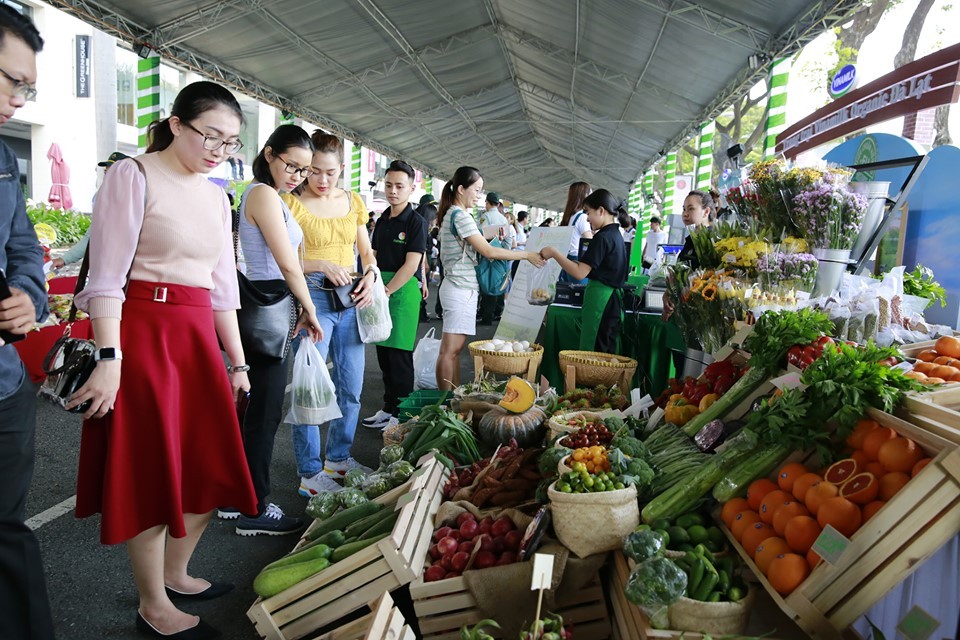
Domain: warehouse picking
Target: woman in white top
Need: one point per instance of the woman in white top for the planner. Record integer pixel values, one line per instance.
(574, 216)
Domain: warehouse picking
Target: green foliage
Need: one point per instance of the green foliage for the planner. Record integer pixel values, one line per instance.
(920, 282)
(70, 225)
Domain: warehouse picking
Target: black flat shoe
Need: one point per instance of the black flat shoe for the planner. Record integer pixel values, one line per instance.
(215, 590)
(202, 631)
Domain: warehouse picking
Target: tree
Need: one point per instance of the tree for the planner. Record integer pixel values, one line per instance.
(851, 36)
(745, 123)
(908, 52)
(941, 123)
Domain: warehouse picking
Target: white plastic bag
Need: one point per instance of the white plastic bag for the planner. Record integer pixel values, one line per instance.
(313, 398)
(542, 284)
(425, 361)
(374, 321)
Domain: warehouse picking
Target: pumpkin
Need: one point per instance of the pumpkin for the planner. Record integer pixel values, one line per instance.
(498, 426)
(519, 395)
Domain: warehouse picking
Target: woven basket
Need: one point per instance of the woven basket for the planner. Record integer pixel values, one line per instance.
(576, 515)
(715, 618)
(557, 425)
(516, 363)
(591, 372)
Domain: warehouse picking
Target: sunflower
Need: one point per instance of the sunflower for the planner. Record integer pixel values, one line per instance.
(709, 292)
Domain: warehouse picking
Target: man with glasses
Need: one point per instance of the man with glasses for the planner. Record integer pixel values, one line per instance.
(24, 609)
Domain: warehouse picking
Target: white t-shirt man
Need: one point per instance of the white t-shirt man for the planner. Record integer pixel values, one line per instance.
(655, 237)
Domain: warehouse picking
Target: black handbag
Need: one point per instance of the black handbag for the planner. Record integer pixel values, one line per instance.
(342, 296)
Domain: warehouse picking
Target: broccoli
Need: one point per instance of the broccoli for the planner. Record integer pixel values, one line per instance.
(640, 474)
(613, 423)
(351, 497)
(655, 582)
(375, 485)
(354, 478)
(630, 446)
(322, 505)
(643, 545)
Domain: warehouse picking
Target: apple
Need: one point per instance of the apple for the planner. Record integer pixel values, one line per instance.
(433, 573)
(512, 540)
(468, 529)
(447, 545)
(442, 532)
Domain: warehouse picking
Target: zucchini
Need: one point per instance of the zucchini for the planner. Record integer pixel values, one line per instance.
(742, 388)
(343, 519)
(763, 463)
(385, 526)
(273, 581)
(332, 539)
(312, 553)
(363, 524)
(710, 580)
(347, 550)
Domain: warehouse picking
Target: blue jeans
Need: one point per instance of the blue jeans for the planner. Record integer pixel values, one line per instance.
(341, 339)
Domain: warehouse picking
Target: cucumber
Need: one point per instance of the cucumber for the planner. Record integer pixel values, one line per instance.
(385, 526)
(273, 581)
(688, 520)
(332, 539)
(347, 550)
(342, 519)
(735, 482)
(742, 388)
(312, 553)
(363, 524)
(710, 580)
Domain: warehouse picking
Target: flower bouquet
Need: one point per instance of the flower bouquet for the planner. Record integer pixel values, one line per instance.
(706, 305)
(828, 214)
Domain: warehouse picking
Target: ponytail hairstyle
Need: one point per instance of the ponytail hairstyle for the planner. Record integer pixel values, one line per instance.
(576, 194)
(324, 142)
(286, 136)
(195, 99)
(708, 200)
(613, 206)
(462, 177)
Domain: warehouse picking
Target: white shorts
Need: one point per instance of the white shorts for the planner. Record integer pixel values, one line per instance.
(459, 309)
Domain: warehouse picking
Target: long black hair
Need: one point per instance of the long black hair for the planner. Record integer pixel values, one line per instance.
(195, 99)
(462, 177)
(708, 200)
(576, 195)
(286, 136)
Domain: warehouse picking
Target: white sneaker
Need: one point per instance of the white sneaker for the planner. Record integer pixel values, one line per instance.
(392, 422)
(376, 421)
(339, 468)
(316, 483)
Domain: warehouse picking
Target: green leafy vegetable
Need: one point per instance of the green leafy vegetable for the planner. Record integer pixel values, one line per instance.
(643, 545)
(920, 282)
(777, 331)
(656, 581)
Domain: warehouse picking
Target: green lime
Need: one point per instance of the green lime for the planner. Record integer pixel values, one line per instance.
(716, 536)
(697, 533)
(660, 523)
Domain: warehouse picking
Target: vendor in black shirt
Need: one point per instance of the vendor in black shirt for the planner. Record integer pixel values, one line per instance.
(399, 242)
(605, 265)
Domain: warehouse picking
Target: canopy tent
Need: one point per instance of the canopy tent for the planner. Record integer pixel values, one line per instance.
(536, 94)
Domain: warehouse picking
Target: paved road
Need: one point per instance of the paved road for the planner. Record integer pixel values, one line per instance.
(91, 589)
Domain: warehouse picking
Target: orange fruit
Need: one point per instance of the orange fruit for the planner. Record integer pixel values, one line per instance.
(768, 550)
(741, 521)
(864, 426)
(917, 468)
(948, 346)
(891, 483)
(861, 488)
(928, 355)
(876, 469)
(925, 367)
(771, 502)
(933, 380)
(947, 360)
(757, 490)
(786, 511)
(841, 471)
(813, 559)
(875, 439)
(915, 375)
(786, 572)
(871, 508)
(842, 514)
(819, 494)
(803, 483)
(732, 508)
(899, 454)
(754, 535)
(801, 532)
(860, 457)
(943, 372)
(789, 474)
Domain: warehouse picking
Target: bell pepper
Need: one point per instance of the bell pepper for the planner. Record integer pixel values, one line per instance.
(708, 400)
(679, 411)
(718, 369)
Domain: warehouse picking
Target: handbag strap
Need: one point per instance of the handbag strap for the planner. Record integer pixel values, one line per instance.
(85, 265)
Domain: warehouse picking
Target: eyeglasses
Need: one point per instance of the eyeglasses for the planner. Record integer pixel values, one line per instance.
(292, 169)
(21, 88)
(212, 143)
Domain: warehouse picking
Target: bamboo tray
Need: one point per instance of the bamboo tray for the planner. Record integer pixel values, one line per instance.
(360, 579)
(386, 622)
(936, 411)
(914, 524)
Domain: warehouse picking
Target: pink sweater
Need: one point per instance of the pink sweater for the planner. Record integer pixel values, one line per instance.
(185, 238)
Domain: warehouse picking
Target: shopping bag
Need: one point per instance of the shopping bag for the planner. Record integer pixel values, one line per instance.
(425, 361)
(374, 321)
(313, 398)
(542, 285)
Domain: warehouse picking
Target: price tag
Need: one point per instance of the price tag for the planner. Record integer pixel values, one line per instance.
(542, 571)
(831, 544)
(789, 381)
(918, 624)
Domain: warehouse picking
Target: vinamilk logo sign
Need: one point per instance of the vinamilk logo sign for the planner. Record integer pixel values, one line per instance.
(843, 81)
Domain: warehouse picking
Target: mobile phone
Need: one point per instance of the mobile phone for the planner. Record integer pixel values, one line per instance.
(242, 403)
(5, 293)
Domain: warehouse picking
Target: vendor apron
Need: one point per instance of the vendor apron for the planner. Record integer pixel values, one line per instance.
(404, 313)
(595, 299)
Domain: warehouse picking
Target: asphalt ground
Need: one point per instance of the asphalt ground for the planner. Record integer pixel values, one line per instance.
(91, 588)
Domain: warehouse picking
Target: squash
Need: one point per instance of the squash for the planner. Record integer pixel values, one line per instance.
(519, 395)
(498, 426)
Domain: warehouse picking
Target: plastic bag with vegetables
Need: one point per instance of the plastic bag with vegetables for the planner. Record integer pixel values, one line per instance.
(655, 582)
(322, 505)
(351, 497)
(643, 545)
(398, 472)
(375, 485)
(390, 454)
(354, 478)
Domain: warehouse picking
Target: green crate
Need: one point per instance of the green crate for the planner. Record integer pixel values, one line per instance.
(412, 405)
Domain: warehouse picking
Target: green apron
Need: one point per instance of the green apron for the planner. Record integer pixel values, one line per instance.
(404, 312)
(595, 299)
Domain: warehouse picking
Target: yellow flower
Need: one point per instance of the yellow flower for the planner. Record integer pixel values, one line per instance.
(709, 292)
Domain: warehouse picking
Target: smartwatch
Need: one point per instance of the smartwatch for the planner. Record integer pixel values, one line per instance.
(107, 353)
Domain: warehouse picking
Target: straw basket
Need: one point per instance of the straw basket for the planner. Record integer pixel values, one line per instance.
(714, 618)
(586, 369)
(557, 425)
(523, 363)
(575, 518)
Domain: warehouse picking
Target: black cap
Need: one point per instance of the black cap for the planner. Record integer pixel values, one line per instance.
(116, 156)
(427, 198)
(493, 197)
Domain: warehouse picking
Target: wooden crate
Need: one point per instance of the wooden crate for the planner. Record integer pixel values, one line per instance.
(914, 348)
(446, 605)
(936, 411)
(386, 622)
(915, 523)
(351, 584)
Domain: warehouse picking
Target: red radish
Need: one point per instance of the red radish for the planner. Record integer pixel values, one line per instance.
(433, 573)
(452, 574)
(435, 553)
(467, 546)
(463, 517)
(455, 534)
(447, 545)
(486, 524)
(512, 540)
(459, 560)
(498, 545)
(502, 525)
(507, 557)
(486, 543)
(442, 532)
(447, 562)
(469, 528)
(484, 560)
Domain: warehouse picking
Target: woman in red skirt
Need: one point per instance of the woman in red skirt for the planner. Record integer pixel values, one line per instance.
(161, 447)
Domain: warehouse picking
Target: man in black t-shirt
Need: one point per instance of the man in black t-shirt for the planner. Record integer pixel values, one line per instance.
(427, 209)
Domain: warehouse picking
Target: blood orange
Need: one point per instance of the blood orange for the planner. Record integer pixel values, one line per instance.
(841, 471)
(875, 439)
(819, 494)
(917, 468)
(803, 483)
(891, 483)
(801, 532)
(864, 426)
(787, 571)
(841, 514)
(861, 488)
(813, 559)
(899, 454)
(876, 469)
(785, 513)
(870, 509)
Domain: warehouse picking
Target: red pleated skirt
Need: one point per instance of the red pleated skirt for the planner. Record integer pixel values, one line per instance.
(172, 444)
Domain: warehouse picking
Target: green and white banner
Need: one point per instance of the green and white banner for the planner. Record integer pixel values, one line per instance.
(704, 171)
(777, 106)
(148, 96)
(356, 165)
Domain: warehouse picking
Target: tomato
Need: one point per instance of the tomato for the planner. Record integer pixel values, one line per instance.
(811, 352)
(723, 384)
(822, 340)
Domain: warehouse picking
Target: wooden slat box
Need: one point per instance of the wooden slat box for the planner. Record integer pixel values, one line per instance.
(352, 583)
(936, 411)
(386, 622)
(917, 521)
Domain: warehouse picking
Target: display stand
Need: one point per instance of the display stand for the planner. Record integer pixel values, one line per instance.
(385, 623)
